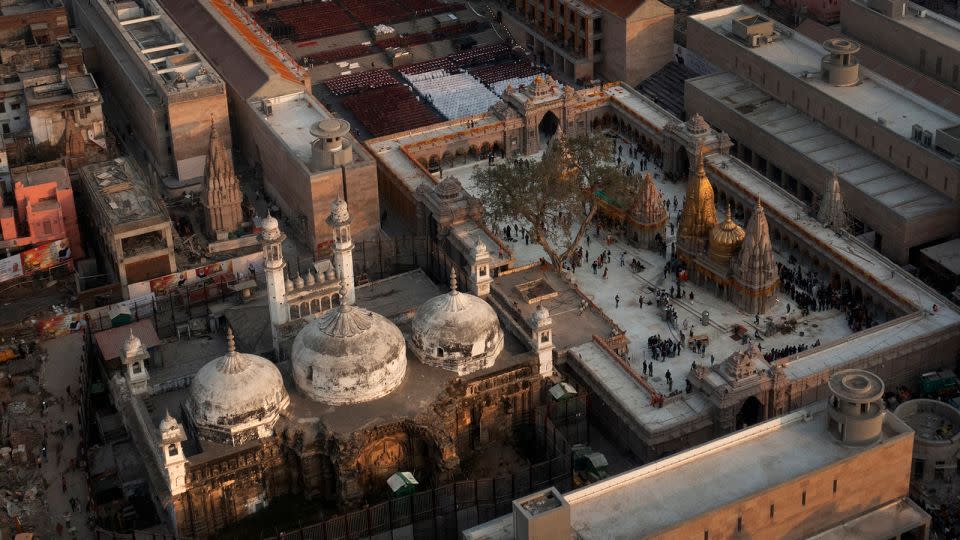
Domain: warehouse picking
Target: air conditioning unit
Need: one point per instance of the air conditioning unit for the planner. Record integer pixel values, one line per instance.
(917, 133)
(267, 108)
(927, 139)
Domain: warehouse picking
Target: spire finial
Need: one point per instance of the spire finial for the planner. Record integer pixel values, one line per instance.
(729, 212)
(231, 345)
(343, 293)
(453, 279)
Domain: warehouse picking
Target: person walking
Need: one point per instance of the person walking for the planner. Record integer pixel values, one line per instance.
(616, 299)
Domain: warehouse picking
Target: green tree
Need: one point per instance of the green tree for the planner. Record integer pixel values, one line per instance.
(557, 195)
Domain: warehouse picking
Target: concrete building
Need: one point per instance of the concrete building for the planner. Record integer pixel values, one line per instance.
(162, 91)
(130, 220)
(923, 40)
(583, 40)
(307, 157)
(798, 110)
(44, 210)
(793, 477)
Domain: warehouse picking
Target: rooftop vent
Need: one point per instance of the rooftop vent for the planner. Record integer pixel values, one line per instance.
(544, 514)
(840, 66)
(855, 415)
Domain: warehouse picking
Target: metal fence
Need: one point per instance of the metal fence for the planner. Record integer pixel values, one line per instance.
(444, 512)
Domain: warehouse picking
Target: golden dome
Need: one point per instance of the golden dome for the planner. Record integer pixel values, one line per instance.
(699, 212)
(725, 239)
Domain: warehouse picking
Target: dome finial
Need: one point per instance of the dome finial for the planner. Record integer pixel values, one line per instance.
(453, 280)
(231, 345)
(729, 212)
(343, 292)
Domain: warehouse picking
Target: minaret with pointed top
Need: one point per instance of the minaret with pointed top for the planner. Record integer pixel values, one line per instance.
(755, 271)
(339, 220)
(541, 326)
(222, 199)
(171, 454)
(134, 359)
(832, 212)
(480, 278)
(699, 211)
(271, 240)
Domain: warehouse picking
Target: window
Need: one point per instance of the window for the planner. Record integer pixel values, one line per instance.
(923, 58)
(834, 485)
(47, 228)
(739, 523)
(598, 25)
(440, 352)
(803, 498)
(15, 106)
(545, 337)
(956, 73)
(890, 151)
(6, 128)
(772, 510)
(3, 107)
(706, 535)
(863, 408)
(172, 450)
(908, 162)
(939, 66)
(137, 368)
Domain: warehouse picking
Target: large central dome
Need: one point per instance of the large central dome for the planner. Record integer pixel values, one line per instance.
(350, 355)
(457, 331)
(237, 397)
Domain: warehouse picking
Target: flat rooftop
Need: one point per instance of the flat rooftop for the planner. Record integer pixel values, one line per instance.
(23, 7)
(60, 175)
(666, 493)
(875, 97)
(291, 116)
(905, 195)
(932, 25)
(946, 255)
(122, 194)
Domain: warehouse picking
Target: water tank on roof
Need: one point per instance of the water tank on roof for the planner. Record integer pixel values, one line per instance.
(331, 148)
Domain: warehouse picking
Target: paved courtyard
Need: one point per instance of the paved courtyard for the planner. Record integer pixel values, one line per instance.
(640, 323)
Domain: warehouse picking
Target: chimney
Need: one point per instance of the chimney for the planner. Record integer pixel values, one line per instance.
(543, 515)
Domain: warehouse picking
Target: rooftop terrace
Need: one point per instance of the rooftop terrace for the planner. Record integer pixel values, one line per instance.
(23, 7)
(875, 97)
(122, 194)
(894, 189)
(704, 478)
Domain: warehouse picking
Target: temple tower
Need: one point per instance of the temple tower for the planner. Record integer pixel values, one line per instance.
(339, 221)
(222, 199)
(171, 454)
(755, 273)
(271, 239)
(134, 359)
(699, 211)
(648, 216)
(832, 212)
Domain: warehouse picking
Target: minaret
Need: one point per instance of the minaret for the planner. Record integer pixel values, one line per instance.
(755, 270)
(222, 199)
(541, 327)
(171, 454)
(271, 239)
(832, 212)
(480, 269)
(134, 359)
(339, 221)
(699, 211)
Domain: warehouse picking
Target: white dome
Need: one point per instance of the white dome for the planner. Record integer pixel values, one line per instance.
(132, 346)
(168, 423)
(541, 317)
(339, 212)
(237, 397)
(349, 355)
(270, 228)
(457, 331)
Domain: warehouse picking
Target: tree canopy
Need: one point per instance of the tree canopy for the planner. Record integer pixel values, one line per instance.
(556, 196)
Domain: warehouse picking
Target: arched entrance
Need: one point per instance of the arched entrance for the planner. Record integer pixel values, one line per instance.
(751, 412)
(548, 126)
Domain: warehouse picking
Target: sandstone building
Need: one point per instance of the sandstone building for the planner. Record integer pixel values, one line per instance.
(161, 88)
(798, 476)
(617, 39)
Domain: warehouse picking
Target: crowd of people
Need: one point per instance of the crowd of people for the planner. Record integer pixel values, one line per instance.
(811, 294)
(790, 350)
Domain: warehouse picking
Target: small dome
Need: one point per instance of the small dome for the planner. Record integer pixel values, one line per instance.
(330, 275)
(270, 228)
(288, 285)
(339, 212)
(540, 318)
(725, 239)
(298, 282)
(168, 423)
(310, 281)
(237, 397)
(457, 331)
(349, 355)
(132, 346)
(449, 187)
(479, 250)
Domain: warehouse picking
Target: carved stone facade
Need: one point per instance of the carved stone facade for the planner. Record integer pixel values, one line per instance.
(222, 199)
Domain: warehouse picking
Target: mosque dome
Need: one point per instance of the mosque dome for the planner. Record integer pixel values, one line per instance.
(168, 423)
(132, 346)
(725, 239)
(270, 228)
(237, 397)
(349, 355)
(457, 331)
(540, 318)
(339, 213)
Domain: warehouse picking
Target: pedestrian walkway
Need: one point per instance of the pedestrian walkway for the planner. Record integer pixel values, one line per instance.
(63, 469)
